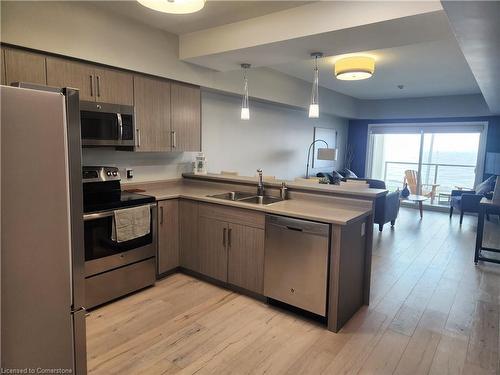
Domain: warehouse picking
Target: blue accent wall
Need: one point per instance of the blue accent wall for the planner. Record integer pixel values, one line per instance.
(358, 135)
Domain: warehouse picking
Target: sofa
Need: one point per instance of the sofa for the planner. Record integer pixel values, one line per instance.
(468, 200)
(386, 207)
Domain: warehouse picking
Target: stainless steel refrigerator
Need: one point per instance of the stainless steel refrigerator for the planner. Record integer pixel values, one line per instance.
(42, 256)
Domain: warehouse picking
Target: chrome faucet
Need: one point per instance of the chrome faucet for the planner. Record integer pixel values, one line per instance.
(260, 185)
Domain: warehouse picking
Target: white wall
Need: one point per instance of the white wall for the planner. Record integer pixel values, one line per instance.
(275, 139)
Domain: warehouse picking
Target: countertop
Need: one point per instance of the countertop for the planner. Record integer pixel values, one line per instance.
(326, 209)
(362, 191)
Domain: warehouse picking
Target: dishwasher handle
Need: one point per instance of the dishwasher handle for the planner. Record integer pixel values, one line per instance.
(298, 225)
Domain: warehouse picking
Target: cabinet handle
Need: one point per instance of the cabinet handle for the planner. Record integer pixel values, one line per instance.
(98, 87)
(161, 215)
(91, 85)
(229, 236)
(174, 139)
(224, 237)
(138, 131)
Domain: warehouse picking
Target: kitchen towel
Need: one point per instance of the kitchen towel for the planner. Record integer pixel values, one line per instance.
(130, 223)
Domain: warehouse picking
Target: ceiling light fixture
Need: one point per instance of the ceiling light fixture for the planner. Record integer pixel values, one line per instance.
(354, 68)
(245, 110)
(314, 105)
(174, 6)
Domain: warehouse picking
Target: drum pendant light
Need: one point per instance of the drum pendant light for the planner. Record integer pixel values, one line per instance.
(174, 6)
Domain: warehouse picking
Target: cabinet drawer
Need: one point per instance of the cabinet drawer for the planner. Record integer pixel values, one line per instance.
(233, 215)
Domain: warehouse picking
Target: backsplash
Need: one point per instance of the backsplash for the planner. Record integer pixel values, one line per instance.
(150, 166)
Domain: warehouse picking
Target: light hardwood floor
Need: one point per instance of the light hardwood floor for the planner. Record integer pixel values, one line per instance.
(432, 312)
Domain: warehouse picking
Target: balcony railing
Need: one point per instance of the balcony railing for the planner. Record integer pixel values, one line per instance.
(447, 176)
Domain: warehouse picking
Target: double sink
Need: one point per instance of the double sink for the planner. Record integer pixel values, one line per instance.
(244, 197)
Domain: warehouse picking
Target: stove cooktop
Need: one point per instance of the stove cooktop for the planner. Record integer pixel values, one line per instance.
(102, 201)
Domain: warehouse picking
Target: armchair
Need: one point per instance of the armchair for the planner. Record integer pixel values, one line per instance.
(464, 201)
(468, 200)
(386, 207)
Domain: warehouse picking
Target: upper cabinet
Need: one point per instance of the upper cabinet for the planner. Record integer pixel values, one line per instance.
(95, 83)
(186, 117)
(65, 73)
(114, 86)
(152, 114)
(22, 66)
(167, 114)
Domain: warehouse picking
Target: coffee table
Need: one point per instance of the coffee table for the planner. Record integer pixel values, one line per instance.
(417, 199)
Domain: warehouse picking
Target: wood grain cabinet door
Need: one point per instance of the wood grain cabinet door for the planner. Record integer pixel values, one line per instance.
(22, 66)
(246, 257)
(212, 247)
(113, 86)
(186, 117)
(152, 114)
(65, 73)
(188, 235)
(168, 235)
(2, 66)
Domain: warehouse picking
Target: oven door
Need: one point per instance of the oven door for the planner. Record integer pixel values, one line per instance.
(103, 254)
(107, 124)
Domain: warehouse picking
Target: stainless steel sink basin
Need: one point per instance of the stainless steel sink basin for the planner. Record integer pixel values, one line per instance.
(261, 200)
(233, 195)
(245, 197)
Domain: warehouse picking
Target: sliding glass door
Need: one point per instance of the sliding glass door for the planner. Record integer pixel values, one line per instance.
(433, 159)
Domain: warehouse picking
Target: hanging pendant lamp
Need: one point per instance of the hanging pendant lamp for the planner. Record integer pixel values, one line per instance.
(314, 105)
(245, 110)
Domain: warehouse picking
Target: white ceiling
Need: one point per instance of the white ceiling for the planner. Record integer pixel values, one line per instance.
(215, 13)
(412, 43)
(425, 69)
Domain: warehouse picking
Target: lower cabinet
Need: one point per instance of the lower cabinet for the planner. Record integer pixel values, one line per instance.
(188, 235)
(231, 246)
(168, 235)
(224, 243)
(245, 267)
(213, 248)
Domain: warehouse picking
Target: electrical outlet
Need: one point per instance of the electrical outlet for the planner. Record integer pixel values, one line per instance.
(130, 173)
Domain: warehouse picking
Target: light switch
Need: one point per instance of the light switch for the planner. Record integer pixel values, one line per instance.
(363, 229)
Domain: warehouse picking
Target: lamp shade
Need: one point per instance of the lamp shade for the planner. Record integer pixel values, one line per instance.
(354, 68)
(327, 154)
(174, 6)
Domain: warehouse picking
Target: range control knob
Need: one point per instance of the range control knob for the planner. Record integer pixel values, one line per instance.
(108, 173)
(115, 174)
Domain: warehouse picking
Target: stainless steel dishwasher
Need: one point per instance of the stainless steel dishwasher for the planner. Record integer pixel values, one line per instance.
(296, 262)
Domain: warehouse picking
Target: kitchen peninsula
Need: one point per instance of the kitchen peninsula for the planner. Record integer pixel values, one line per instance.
(225, 241)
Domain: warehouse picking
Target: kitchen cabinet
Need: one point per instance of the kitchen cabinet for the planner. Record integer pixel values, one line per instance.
(246, 257)
(22, 66)
(186, 117)
(188, 234)
(2, 66)
(152, 114)
(114, 86)
(231, 245)
(65, 73)
(213, 248)
(95, 83)
(168, 235)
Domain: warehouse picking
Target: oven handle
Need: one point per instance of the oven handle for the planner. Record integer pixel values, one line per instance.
(103, 214)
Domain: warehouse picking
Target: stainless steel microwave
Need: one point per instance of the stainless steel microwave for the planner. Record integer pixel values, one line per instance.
(107, 124)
